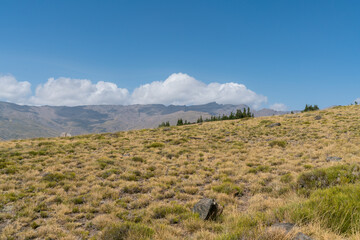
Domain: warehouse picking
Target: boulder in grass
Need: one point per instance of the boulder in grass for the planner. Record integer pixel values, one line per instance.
(318, 117)
(208, 209)
(286, 228)
(333, 159)
(273, 125)
(282, 226)
(65, 134)
(301, 236)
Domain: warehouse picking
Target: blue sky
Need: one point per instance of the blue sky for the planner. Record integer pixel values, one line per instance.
(285, 52)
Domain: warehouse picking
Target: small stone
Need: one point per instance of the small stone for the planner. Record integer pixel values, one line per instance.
(282, 226)
(207, 209)
(287, 227)
(8, 209)
(318, 117)
(273, 125)
(65, 134)
(333, 159)
(301, 236)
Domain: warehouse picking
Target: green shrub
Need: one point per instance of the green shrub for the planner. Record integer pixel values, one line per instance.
(266, 122)
(246, 227)
(156, 145)
(41, 208)
(162, 211)
(228, 188)
(79, 200)
(103, 162)
(278, 143)
(336, 208)
(138, 159)
(53, 177)
(46, 144)
(309, 108)
(10, 170)
(11, 197)
(308, 166)
(132, 188)
(261, 168)
(287, 178)
(178, 141)
(151, 168)
(128, 231)
(34, 225)
(108, 173)
(327, 177)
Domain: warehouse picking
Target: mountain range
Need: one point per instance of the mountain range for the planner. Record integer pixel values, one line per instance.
(21, 121)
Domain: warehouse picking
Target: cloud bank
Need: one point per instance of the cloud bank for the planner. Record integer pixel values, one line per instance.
(14, 91)
(72, 92)
(177, 89)
(181, 89)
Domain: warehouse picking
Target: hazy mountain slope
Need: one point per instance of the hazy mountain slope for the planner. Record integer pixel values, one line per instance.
(46, 121)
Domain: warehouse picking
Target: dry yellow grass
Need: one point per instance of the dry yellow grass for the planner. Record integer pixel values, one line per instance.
(75, 188)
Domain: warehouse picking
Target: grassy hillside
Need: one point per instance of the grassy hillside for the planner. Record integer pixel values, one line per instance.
(142, 184)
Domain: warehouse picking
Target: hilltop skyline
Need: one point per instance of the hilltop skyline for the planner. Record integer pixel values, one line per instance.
(279, 54)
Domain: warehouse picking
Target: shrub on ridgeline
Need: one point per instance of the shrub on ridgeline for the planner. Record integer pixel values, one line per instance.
(181, 122)
(309, 108)
(165, 124)
(245, 113)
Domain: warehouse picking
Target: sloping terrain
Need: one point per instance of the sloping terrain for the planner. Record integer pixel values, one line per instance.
(19, 122)
(142, 184)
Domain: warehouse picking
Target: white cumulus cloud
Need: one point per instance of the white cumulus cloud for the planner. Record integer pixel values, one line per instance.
(13, 91)
(182, 89)
(278, 107)
(73, 92)
(177, 89)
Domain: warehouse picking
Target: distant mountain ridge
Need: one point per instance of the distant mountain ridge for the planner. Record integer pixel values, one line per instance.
(21, 121)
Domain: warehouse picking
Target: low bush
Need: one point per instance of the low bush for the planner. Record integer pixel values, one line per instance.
(260, 168)
(103, 162)
(54, 177)
(162, 211)
(278, 143)
(336, 208)
(327, 177)
(138, 159)
(156, 145)
(246, 227)
(132, 188)
(287, 178)
(228, 188)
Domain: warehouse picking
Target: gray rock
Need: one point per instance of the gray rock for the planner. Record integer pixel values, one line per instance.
(318, 117)
(301, 236)
(333, 159)
(65, 134)
(282, 226)
(207, 209)
(273, 125)
(8, 209)
(287, 227)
